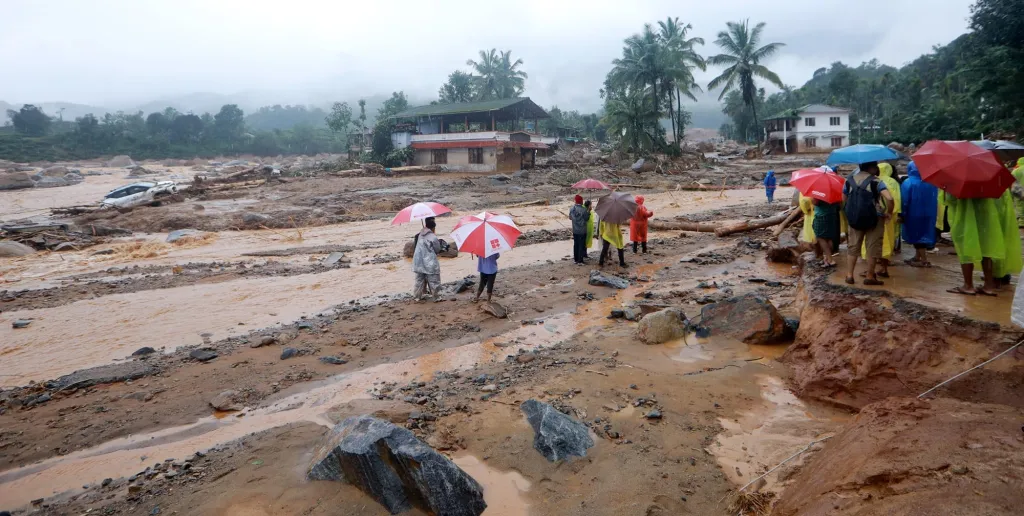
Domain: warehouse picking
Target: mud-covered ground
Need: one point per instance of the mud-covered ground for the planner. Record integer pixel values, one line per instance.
(251, 307)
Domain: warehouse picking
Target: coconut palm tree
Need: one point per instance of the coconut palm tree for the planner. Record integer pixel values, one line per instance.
(642, 65)
(742, 57)
(497, 76)
(631, 118)
(511, 80)
(681, 58)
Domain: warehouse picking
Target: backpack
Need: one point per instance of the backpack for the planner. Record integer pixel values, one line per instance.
(860, 209)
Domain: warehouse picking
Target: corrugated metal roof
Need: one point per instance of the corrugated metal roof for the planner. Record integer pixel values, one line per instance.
(468, 107)
(821, 108)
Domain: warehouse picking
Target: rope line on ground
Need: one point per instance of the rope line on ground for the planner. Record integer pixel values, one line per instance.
(1011, 348)
(791, 457)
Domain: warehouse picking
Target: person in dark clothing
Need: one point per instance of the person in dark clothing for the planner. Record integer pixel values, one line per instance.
(579, 217)
(488, 269)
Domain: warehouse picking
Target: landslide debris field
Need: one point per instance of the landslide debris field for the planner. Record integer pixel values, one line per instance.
(248, 342)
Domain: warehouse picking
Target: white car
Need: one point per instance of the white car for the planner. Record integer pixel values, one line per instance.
(138, 194)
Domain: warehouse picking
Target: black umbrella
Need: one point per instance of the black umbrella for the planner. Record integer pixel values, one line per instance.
(616, 208)
(1006, 151)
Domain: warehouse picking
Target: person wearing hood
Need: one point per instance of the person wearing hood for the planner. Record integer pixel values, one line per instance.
(1018, 191)
(979, 237)
(638, 224)
(919, 205)
(591, 224)
(889, 233)
(579, 217)
(424, 262)
(769, 185)
(611, 235)
(1011, 262)
(807, 206)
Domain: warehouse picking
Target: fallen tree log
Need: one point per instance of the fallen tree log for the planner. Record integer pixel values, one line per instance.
(793, 217)
(749, 225)
(701, 227)
(539, 202)
(416, 169)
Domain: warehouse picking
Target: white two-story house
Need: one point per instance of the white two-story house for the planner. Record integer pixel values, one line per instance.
(812, 128)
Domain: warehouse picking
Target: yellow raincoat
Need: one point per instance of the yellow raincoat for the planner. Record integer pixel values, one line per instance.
(1012, 262)
(1018, 191)
(890, 235)
(591, 227)
(613, 234)
(807, 206)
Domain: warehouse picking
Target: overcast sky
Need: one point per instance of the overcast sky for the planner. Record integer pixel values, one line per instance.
(123, 52)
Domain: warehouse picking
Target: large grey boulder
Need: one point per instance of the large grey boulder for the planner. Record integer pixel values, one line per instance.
(750, 318)
(662, 326)
(9, 249)
(57, 171)
(121, 161)
(254, 219)
(15, 181)
(603, 280)
(395, 468)
(51, 182)
(556, 435)
(111, 373)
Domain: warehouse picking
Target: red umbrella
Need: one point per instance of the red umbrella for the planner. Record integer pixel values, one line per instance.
(819, 184)
(591, 184)
(485, 234)
(963, 169)
(419, 211)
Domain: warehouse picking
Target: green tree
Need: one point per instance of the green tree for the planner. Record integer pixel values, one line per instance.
(229, 123)
(632, 119)
(497, 75)
(30, 120)
(392, 106)
(681, 59)
(157, 124)
(459, 88)
(742, 58)
(340, 118)
(186, 129)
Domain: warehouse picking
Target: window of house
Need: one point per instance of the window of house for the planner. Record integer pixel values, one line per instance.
(476, 156)
(837, 141)
(439, 157)
(810, 142)
(833, 120)
(809, 122)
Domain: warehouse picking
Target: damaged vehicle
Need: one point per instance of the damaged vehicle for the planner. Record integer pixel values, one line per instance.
(139, 194)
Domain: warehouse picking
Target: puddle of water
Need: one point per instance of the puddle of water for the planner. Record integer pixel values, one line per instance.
(503, 491)
(771, 431)
(126, 456)
(692, 349)
(928, 287)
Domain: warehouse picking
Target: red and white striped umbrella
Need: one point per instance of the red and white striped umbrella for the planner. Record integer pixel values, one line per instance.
(485, 234)
(419, 211)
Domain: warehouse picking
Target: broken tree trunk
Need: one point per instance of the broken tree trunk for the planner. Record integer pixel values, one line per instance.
(682, 226)
(793, 217)
(539, 202)
(748, 225)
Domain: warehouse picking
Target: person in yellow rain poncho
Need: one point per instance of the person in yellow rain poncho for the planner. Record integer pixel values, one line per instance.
(1018, 191)
(611, 234)
(980, 238)
(591, 224)
(1012, 261)
(807, 235)
(889, 236)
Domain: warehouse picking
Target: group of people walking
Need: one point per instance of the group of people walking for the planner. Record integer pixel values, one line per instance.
(586, 225)
(879, 212)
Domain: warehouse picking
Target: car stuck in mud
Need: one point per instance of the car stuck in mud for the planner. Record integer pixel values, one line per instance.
(139, 194)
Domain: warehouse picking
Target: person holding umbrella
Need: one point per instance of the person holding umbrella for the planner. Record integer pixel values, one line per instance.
(579, 218)
(424, 262)
(486, 235)
(821, 190)
(866, 217)
(614, 209)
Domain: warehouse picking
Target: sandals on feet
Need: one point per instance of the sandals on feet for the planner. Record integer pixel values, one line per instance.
(962, 292)
(873, 282)
(983, 292)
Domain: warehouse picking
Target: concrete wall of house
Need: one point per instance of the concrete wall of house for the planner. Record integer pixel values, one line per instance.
(401, 140)
(458, 160)
(822, 123)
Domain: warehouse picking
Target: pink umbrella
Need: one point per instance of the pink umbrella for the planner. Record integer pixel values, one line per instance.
(591, 184)
(485, 234)
(419, 211)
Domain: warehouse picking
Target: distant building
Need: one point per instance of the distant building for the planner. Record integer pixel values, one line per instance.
(359, 141)
(812, 128)
(484, 136)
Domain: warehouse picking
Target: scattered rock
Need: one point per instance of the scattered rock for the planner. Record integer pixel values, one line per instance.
(255, 219)
(556, 435)
(203, 355)
(662, 326)
(104, 374)
(654, 414)
(143, 351)
(395, 468)
(15, 181)
(106, 482)
(603, 280)
(525, 358)
(333, 360)
(21, 323)
(225, 401)
(489, 388)
(287, 353)
(9, 249)
(263, 341)
(494, 309)
(120, 161)
(464, 284)
(65, 246)
(176, 235)
(750, 318)
(333, 259)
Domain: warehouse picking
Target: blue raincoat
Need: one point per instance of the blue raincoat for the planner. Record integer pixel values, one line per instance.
(769, 185)
(920, 208)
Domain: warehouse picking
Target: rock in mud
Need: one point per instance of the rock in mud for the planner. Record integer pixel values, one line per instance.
(225, 401)
(287, 353)
(18, 324)
(203, 355)
(9, 249)
(121, 161)
(143, 351)
(254, 219)
(266, 340)
(395, 468)
(662, 326)
(494, 309)
(333, 360)
(104, 374)
(556, 435)
(602, 280)
(749, 318)
(15, 181)
(333, 259)
(176, 235)
(464, 284)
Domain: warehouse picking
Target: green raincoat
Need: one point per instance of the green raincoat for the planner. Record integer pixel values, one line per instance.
(1012, 261)
(591, 227)
(977, 230)
(1018, 191)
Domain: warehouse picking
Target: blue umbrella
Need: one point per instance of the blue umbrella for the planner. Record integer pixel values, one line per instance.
(861, 153)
